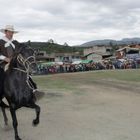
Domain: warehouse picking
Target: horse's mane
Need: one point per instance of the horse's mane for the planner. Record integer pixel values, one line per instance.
(13, 62)
(19, 49)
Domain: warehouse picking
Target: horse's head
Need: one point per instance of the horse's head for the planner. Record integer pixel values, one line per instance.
(25, 56)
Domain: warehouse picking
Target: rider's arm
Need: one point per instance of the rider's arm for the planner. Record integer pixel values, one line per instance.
(4, 58)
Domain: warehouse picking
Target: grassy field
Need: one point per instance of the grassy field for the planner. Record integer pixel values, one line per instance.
(71, 81)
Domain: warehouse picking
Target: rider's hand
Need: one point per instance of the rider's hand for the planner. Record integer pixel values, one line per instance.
(7, 59)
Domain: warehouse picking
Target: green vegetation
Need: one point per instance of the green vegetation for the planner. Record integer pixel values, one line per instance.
(55, 48)
(71, 81)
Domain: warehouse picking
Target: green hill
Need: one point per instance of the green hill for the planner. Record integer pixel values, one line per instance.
(55, 48)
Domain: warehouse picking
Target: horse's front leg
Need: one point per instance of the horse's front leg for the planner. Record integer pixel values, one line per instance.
(15, 122)
(4, 115)
(36, 120)
(37, 109)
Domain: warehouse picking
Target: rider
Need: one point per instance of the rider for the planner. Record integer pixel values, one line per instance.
(7, 48)
(7, 45)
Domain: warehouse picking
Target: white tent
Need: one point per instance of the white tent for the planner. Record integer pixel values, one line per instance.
(77, 62)
(59, 63)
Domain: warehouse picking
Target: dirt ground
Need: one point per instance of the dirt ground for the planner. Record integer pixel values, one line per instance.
(103, 111)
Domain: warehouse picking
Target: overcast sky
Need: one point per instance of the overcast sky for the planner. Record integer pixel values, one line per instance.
(71, 21)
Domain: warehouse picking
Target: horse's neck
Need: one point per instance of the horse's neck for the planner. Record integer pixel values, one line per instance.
(16, 70)
(15, 64)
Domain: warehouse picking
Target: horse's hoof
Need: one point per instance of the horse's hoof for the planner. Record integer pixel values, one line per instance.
(17, 138)
(35, 122)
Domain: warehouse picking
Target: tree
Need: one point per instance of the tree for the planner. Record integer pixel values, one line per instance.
(65, 44)
(50, 41)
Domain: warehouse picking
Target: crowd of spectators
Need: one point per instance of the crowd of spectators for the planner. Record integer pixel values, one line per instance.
(105, 64)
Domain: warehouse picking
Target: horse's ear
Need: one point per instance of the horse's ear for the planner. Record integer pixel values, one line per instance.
(19, 48)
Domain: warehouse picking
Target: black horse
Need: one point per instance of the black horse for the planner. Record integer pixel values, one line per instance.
(18, 87)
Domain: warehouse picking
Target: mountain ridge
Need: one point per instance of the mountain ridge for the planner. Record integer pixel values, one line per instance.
(124, 41)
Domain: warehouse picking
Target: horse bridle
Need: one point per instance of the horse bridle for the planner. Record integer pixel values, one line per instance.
(26, 63)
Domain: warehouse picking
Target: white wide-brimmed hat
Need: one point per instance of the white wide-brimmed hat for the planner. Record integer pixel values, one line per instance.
(8, 28)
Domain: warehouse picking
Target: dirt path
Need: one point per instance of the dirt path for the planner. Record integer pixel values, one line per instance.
(103, 111)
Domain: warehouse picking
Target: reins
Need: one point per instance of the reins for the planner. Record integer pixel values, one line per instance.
(26, 64)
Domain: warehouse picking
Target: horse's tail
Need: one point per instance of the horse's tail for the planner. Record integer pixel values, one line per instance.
(2, 104)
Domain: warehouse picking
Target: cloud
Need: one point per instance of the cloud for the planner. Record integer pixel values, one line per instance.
(74, 22)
